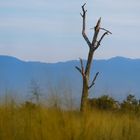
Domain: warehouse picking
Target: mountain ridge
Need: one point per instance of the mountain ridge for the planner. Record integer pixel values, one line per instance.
(112, 58)
(117, 75)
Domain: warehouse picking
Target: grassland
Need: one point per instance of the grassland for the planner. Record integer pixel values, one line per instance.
(29, 122)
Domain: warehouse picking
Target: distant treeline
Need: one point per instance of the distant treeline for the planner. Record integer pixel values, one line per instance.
(131, 104)
(104, 103)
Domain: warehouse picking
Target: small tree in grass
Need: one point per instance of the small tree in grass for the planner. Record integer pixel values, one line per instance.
(130, 104)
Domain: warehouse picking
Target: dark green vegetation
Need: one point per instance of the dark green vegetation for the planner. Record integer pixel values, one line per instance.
(105, 102)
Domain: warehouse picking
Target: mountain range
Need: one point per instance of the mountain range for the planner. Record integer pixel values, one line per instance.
(118, 77)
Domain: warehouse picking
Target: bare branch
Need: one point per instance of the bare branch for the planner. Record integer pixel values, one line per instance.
(100, 40)
(84, 25)
(97, 29)
(106, 30)
(81, 70)
(78, 69)
(83, 8)
(102, 29)
(93, 82)
(81, 14)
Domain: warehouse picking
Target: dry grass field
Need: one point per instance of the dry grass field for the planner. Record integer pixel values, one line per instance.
(29, 122)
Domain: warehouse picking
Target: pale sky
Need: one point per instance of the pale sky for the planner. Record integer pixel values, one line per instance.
(50, 30)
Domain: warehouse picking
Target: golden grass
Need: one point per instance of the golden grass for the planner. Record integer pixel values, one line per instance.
(41, 123)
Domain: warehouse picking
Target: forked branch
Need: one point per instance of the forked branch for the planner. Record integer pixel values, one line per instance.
(84, 25)
(100, 40)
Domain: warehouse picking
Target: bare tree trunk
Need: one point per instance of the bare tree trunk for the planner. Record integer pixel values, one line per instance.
(85, 72)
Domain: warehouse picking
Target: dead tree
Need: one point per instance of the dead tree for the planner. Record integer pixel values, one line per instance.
(93, 46)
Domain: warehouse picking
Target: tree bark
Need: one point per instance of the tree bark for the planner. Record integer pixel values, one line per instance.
(84, 95)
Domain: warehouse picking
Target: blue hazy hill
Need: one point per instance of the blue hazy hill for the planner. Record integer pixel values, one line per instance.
(118, 76)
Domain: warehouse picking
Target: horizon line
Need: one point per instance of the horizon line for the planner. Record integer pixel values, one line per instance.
(63, 61)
